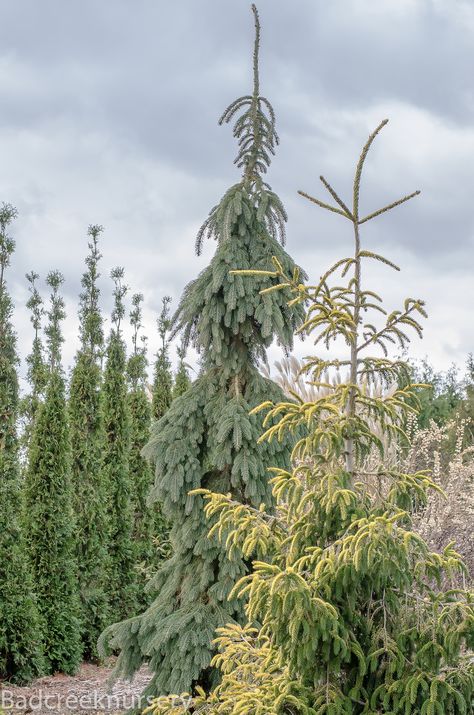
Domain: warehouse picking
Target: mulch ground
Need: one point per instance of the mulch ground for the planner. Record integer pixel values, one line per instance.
(90, 691)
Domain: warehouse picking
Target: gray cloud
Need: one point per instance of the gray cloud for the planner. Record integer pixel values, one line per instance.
(108, 114)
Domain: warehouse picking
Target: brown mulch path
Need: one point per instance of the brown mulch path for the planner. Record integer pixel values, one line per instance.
(87, 692)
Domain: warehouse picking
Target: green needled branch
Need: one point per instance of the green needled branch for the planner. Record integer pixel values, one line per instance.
(357, 304)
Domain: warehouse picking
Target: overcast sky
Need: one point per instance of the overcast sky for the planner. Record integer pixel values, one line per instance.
(108, 114)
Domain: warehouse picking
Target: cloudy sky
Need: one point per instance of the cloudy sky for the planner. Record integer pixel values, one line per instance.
(108, 114)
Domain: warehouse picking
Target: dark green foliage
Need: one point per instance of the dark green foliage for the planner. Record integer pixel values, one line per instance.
(443, 397)
(20, 634)
(182, 381)
(49, 511)
(466, 409)
(207, 437)
(37, 370)
(121, 587)
(163, 377)
(141, 476)
(87, 440)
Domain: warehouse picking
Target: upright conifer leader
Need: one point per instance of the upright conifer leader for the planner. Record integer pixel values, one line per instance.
(122, 587)
(49, 511)
(87, 439)
(207, 438)
(20, 636)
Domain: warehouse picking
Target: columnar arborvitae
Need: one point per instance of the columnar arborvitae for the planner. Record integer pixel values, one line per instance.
(141, 475)
(49, 507)
(349, 613)
(87, 440)
(37, 369)
(207, 438)
(163, 377)
(20, 633)
(121, 577)
(182, 381)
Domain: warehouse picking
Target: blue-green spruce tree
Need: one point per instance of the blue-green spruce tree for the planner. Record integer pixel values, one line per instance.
(207, 437)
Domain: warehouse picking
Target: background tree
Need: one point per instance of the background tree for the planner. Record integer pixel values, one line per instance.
(37, 374)
(443, 396)
(87, 439)
(49, 510)
(182, 381)
(116, 475)
(207, 437)
(141, 476)
(20, 634)
(466, 410)
(163, 377)
(346, 612)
